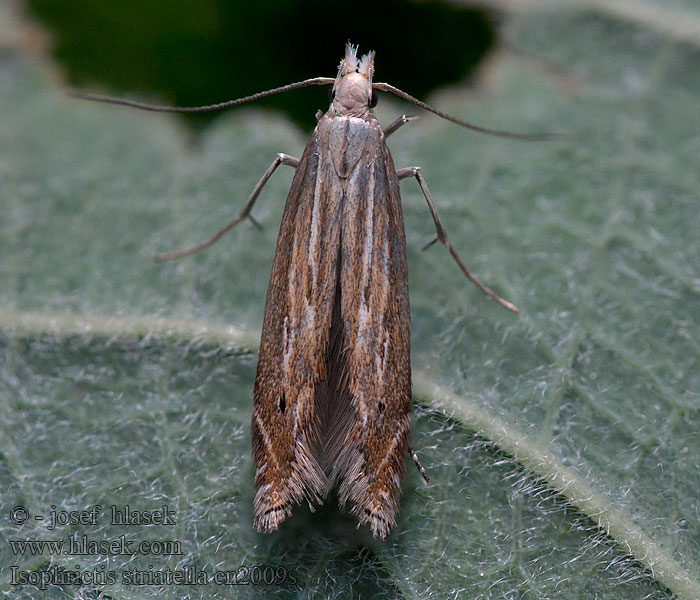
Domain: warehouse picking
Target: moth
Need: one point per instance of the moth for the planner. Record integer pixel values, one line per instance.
(332, 395)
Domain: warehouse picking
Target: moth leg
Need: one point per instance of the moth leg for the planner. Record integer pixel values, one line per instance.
(400, 122)
(419, 466)
(442, 235)
(281, 158)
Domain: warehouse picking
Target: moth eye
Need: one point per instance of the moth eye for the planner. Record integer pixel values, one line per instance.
(283, 403)
(331, 95)
(373, 100)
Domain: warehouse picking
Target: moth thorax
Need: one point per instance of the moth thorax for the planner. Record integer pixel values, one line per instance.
(351, 95)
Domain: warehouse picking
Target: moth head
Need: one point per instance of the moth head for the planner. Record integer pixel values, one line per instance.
(352, 94)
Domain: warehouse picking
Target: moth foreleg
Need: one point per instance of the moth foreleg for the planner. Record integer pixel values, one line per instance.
(281, 158)
(400, 122)
(442, 235)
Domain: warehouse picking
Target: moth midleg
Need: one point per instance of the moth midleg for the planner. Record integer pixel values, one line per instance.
(280, 159)
(400, 122)
(442, 235)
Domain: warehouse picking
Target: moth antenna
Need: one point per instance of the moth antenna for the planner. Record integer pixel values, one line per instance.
(194, 109)
(386, 87)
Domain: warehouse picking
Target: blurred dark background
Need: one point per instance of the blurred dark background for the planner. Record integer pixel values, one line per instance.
(193, 52)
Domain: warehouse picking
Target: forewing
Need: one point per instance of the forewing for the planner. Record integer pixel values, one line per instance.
(376, 353)
(295, 333)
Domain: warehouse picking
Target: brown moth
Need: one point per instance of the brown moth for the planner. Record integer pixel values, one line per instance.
(332, 396)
